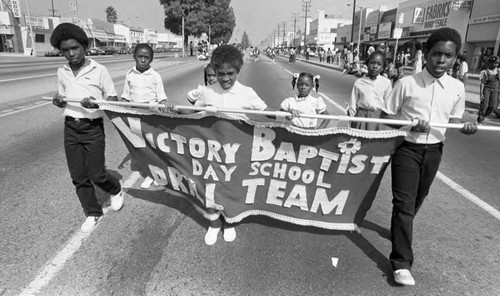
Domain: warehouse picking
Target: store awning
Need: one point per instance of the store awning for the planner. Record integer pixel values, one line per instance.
(101, 36)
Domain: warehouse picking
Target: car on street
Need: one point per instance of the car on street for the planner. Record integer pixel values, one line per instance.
(95, 51)
(53, 53)
(109, 50)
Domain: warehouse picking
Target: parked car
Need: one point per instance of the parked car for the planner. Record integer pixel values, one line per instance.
(108, 50)
(95, 51)
(53, 53)
(123, 50)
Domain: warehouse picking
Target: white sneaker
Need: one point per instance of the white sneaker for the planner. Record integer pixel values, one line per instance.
(90, 223)
(147, 182)
(116, 201)
(229, 234)
(404, 277)
(211, 236)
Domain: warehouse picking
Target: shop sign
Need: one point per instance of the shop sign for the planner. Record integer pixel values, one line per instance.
(418, 15)
(373, 30)
(485, 19)
(101, 36)
(120, 38)
(5, 29)
(384, 30)
(16, 8)
(436, 16)
(398, 33)
(462, 5)
(36, 22)
(4, 18)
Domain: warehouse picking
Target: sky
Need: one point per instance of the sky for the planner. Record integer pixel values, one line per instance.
(257, 17)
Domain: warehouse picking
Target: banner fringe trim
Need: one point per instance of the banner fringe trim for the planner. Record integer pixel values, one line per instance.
(297, 221)
(241, 117)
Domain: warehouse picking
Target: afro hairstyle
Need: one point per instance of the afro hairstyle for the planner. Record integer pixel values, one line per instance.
(66, 31)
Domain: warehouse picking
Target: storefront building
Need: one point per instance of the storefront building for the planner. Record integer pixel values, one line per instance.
(483, 35)
(421, 18)
(6, 33)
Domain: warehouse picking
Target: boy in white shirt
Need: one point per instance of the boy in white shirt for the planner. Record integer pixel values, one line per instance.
(84, 139)
(430, 95)
(144, 85)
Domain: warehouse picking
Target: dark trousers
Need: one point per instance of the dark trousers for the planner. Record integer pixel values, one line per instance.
(488, 104)
(414, 167)
(84, 145)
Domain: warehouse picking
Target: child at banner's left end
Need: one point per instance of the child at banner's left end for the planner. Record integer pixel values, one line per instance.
(228, 92)
(144, 85)
(304, 103)
(369, 93)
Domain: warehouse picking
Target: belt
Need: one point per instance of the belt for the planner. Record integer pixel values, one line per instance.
(69, 118)
(420, 145)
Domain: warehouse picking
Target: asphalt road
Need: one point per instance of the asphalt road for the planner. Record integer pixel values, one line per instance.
(154, 245)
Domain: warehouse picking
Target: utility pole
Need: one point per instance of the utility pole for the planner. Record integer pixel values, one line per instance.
(284, 32)
(278, 35)
(53, 9)
(306, 5)
(352, 26)
(295, 17)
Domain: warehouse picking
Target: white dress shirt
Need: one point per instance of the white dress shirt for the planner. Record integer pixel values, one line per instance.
(143, 87)
(92, 80)
(426, 97)
(368, 94)
(237, 97)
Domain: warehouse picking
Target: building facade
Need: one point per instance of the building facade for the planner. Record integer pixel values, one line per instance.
(323, 30)
(483, 34)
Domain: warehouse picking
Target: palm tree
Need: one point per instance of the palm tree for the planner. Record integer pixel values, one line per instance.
(111, 15)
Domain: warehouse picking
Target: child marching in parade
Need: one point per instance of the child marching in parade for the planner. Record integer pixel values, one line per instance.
(144, 85)
(369, 93)
(227, 93)
(488, 89)
(428, 96)
(304, 102)
(209, 78)
(84, 140)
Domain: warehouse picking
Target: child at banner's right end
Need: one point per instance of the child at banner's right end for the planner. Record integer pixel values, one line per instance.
(144, 85)
(369, 93)
(304, 103)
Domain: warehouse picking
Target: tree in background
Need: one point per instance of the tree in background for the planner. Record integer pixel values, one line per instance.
(111, 15)
(198, 15)
(245, 42)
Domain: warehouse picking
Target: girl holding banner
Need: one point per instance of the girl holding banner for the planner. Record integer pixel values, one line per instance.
(227, 93)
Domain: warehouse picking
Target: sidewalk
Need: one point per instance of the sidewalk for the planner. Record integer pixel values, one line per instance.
(471, 91)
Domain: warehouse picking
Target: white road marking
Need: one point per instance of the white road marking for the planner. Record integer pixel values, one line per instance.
(52, 267)
(464, 192)
(27, 77)
(35, 104)
(332, 102)
(468, 195)
(9, 112)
